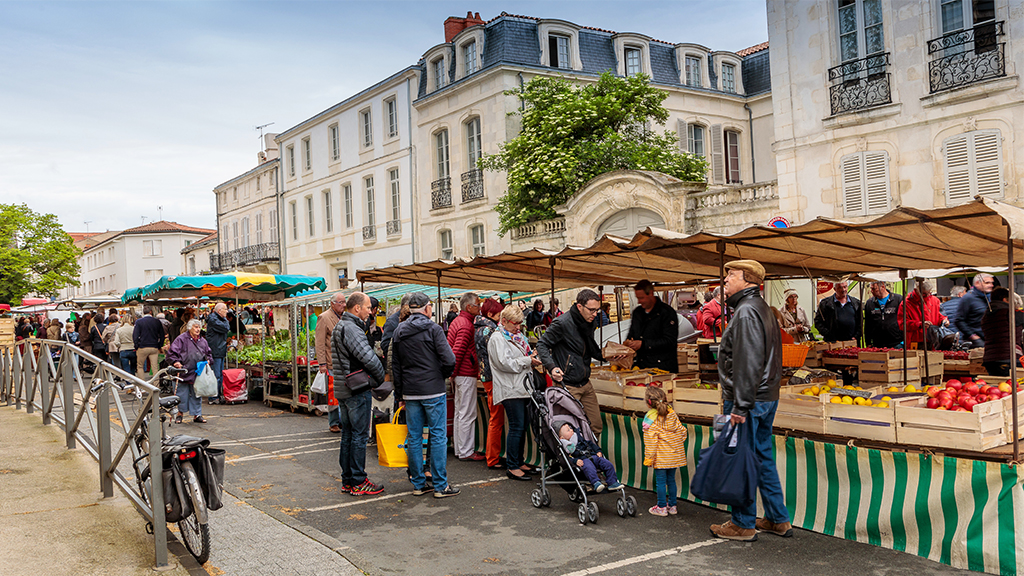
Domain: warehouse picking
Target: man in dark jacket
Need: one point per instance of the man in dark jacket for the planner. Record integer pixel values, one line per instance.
(996, 325)
(951, 307)
(838, 316)
(217, 329)
(461, 338)
(420, 363)
(881, 324)
(973, 307)
(653, 331)
(148, 337)
(750, 368)
(351, 352)
(566, 349)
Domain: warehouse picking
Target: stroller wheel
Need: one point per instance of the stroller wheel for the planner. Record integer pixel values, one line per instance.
(536, 498)
(631, 506)
(581, 513)
(574, 496)
(546, 498)
(620, 507)
(592, 512)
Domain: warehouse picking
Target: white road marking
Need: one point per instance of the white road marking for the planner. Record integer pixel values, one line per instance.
(367, 500)
(645, 557)
(279, 436)
(287, 451)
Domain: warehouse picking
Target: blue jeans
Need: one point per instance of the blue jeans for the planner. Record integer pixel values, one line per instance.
(334, 416)
(515, 413)
(665, 481)
(189, 401)
(355, 432)
(128, 361)
(591, 466)
(218, 371)
(761, 416)
(433, 414)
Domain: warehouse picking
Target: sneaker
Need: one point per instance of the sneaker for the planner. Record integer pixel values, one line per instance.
(673, 510)
(474, 457)
(367, 488)
(599, 487)
(784, 529)
(421, 491)
(345, 488)
(449, 490)
(658, 510)
(616, 486)
(730, 531)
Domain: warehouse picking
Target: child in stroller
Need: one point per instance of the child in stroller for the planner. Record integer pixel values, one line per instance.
(588, 457)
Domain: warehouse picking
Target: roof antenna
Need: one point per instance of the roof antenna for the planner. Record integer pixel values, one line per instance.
(160, 212)
(87, 222)
(260, 128)
(143, 220)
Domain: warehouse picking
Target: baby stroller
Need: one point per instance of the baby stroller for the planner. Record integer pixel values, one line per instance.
(552, 405)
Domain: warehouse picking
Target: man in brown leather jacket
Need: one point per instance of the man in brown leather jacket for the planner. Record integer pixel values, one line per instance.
(750, 368)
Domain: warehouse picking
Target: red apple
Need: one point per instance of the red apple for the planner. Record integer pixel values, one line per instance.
(981, 382)
(933, 403)
(946, 402)
(952, 381)
(972, 389)
(941, 408)
(945, 394)
(954, 385)
(984, 389)
(959, 409)
(1005, 388)
(969, 404)
(981, 398)
(933, 391)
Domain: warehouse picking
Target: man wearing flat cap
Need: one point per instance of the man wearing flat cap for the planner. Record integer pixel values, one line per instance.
(749, 369)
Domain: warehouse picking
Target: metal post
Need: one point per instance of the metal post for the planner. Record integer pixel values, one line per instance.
(156, 476)
(721, 289)
(1013, 345)
(31, 367)
(294, 334)
(551, 301)
(860, 341)
(5, 376)
(309, 363)
(68, 394)
(44, 382)
(26, 373)
(619, 311)
(600, 322)
(903, 283)
(103, 439)
(439, 306)
(924, 333)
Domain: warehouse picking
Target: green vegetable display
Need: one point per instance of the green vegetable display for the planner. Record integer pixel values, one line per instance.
(277, 349)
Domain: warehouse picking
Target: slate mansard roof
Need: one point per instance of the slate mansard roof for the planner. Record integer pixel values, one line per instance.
(515, 40)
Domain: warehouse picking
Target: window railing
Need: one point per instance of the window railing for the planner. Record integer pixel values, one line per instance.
(472, 185)
(965, 57)
(441, 193)
(247, 256)
(394, 227)
(369, 233)
(860, 84)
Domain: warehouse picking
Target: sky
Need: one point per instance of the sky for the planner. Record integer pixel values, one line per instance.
(113, 114)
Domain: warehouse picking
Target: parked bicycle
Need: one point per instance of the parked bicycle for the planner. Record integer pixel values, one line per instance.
(192, 471)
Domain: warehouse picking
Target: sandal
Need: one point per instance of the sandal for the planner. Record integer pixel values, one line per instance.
(177, 419)
(199, 420)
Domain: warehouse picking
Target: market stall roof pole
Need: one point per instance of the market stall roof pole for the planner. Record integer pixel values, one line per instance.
(1013, 345)
(903, 282)
(439, 297)
(552, 263)
(721, 290)
(924, 335)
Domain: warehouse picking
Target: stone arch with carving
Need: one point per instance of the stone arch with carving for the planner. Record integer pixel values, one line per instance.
(613, 192)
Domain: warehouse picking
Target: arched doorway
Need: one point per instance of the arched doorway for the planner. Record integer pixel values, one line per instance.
(628, 222)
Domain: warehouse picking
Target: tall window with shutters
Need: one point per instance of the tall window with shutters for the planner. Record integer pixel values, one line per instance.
(371, 219)
(447, 249)
(865, 177)
(973, 165)
(348, 205)
(272, 220)
(732, 151)
(245, 233)
(479, 242)
(259, 227)
(328, 212)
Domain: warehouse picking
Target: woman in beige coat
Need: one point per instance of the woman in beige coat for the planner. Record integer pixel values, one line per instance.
(794, 319)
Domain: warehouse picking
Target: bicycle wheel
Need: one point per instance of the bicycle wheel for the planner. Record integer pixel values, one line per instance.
(195, 530)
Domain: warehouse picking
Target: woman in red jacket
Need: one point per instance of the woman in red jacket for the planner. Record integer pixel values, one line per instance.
(932, 315)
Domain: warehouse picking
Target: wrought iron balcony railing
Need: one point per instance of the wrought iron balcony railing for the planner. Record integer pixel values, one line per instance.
(967, 56)
(472, 185)
(859, 84)
(441, 193)
(394, 227)
(369, 233)
(247, 256)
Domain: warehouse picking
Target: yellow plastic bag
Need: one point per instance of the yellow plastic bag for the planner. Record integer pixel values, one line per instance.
(391, 443)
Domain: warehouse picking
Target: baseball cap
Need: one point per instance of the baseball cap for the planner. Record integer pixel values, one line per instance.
(418, 300)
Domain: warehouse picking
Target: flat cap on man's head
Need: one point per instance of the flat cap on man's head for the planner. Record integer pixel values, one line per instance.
(418, 300)
(752, 266)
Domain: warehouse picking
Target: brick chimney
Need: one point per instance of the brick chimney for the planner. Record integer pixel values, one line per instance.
(454, 25)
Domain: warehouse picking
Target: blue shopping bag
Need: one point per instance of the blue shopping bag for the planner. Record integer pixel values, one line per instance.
(727, 471)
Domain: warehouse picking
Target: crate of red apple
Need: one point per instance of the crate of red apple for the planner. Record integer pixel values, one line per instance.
(964, 415)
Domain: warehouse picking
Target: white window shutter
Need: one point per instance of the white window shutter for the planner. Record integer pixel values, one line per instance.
(681, 134)
(876, 182)
(852, 170)
(988, 163)
(717, 154)
(958, 169)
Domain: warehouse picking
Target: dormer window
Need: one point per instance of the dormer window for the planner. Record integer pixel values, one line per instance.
(469, 57)
(729, 78)
(440, 74)
(633, 66)
(693, 71)
(559, 52)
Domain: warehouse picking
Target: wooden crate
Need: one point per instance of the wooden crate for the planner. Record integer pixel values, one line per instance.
(1008, 415)
(6, 331)
(800, 412)
(975, 356)
(982, 429)
(887, 366)
(688, 356)
(610, 400)
(688, 400)
(842, 344)
(605, 382)
(935, 364)
(641, 391)
(866, 422)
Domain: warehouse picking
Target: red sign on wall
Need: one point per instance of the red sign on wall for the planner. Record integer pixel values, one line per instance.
(824, 287)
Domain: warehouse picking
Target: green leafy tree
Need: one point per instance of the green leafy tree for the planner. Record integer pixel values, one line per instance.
(572, 133)
(36, 254)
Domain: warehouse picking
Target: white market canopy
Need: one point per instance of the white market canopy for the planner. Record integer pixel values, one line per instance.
(970, 235)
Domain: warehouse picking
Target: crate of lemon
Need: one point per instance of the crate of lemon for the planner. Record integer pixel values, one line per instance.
(848, 412)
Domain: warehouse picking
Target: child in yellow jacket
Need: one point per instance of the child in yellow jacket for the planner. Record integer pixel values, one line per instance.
(664, 449)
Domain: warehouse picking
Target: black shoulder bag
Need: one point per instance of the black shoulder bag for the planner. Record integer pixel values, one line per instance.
(358, 381)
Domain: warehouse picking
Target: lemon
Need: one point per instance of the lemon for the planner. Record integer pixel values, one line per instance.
(910, 388)
(807, 392)
(832, 383)
(836, 400)
(815, 390)
(892, 389)
(882, 405)
(886, 399)
(825, 389)
(847, 400)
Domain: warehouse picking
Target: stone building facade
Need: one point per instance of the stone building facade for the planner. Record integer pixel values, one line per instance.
(895, 102)
(247, 218)
(348, 189)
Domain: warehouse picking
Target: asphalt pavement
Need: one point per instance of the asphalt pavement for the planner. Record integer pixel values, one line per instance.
(285, 465)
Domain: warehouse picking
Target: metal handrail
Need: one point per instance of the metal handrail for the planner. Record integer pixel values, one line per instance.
(27, 367)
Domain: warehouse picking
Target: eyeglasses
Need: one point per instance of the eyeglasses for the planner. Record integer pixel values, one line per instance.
(592, 310)
(514, 323)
